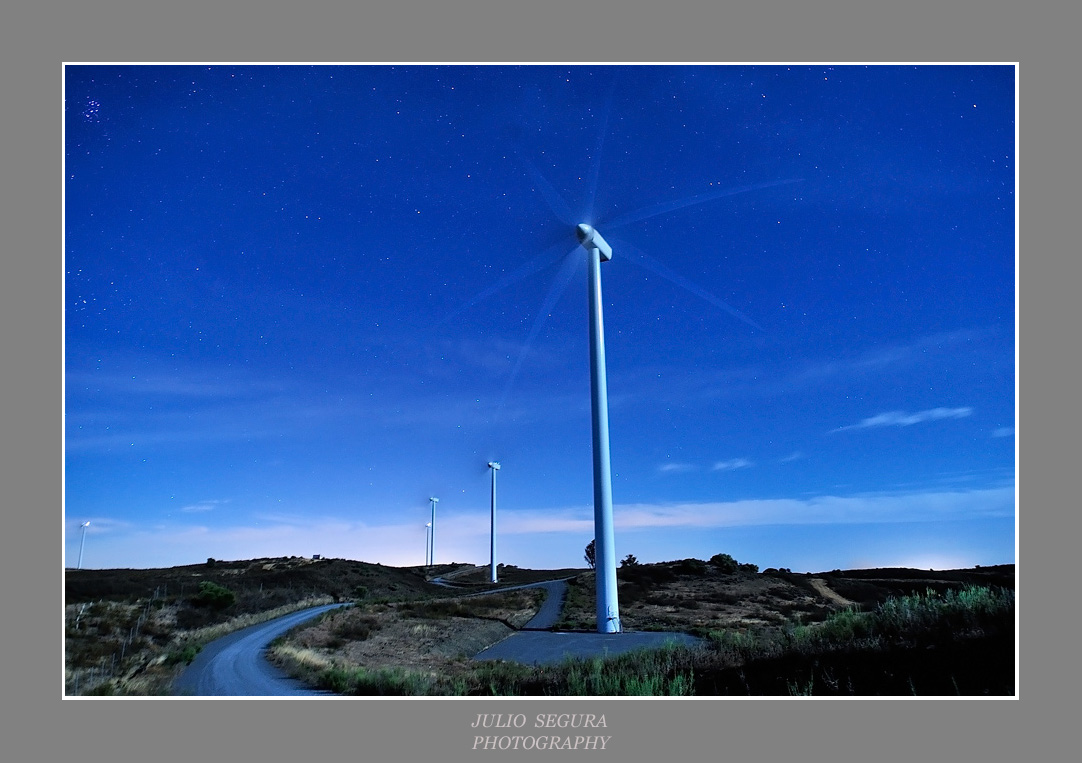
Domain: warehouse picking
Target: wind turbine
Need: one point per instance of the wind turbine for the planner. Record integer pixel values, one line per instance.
(495, 467)
(82, 542)
(598, 251)
(608, 608)
(432, 542)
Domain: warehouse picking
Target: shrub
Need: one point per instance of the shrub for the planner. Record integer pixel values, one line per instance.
(691, 566)
(213, 595)
(629, 561)
(357, 628)
(185, 655)
(724, 563)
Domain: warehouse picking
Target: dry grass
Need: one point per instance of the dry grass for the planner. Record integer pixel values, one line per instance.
(131, 631)
(657, 598)
(117, 648)
(437, 637)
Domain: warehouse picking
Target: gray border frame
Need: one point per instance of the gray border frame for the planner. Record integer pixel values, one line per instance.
(38, 38)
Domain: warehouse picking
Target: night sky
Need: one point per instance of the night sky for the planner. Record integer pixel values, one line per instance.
(300, 300)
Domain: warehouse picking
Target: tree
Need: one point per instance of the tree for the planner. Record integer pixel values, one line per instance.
(591, 553)
(725, 563)
(629, 561)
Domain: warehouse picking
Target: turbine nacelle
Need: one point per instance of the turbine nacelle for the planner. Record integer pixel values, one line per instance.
(591, 239)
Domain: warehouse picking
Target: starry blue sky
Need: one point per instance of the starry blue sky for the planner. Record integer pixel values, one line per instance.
(300, 300)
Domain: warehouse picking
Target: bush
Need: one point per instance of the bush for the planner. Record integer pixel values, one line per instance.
(357, 627)
(691, 566)
(725, 563)
(185, 655)
(214, 596)
(629, 561)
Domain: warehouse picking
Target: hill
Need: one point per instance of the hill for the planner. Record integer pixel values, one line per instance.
(131, 631)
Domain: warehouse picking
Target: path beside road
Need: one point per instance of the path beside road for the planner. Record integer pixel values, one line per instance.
(538, 644)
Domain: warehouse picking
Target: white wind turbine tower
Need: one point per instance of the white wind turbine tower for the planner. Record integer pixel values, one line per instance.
(82, 542)
(432, 534)
(495, 467)
(608, 608)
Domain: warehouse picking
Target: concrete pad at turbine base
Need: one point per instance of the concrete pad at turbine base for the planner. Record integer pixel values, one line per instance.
(547, 648)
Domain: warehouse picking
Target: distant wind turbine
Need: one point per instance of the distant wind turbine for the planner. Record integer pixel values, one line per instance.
(82, 542)
(495, 467)
(432, 536)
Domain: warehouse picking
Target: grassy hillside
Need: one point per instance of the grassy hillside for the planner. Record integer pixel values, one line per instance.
(130, 631)
(857, 632)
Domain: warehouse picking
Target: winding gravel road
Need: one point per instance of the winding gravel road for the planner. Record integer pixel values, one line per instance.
(236, 665)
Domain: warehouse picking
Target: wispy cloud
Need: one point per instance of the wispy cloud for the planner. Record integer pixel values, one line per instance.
(119, 544)
(796, 455)
(201, 506)
(675, 468)
(886, 358)
(829, 509)
(1003, 432)
(903, 419)
(909, 506)
(194, 406)
(802, 374)
(731, 465)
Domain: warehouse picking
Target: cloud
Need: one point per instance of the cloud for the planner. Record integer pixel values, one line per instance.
(675, 468)
(931, 506)
(912, 506)
(903, 419)
(731, 465)
(796, 455)
(1003, 432)
(882, 359)
(201, 506)
(118, 544)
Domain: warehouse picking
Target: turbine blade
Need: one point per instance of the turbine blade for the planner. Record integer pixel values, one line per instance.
(528, 268)
(595, 166)
(556, 291)
(644, 260)
(556, 203)
(671, 206)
